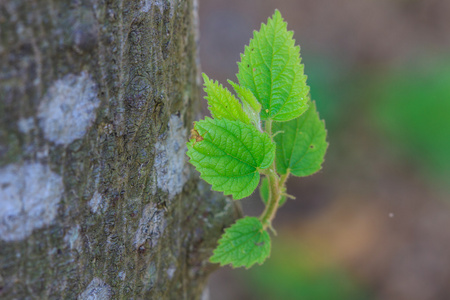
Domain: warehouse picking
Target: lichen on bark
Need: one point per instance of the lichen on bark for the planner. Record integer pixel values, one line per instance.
(136, 62)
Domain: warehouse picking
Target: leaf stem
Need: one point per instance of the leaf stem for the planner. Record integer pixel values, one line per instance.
(276, 184)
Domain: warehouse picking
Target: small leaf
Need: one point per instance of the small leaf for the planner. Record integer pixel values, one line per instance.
(229, 154)
(246, 96)
(270, 68)
(243, 244)
(223, 104)
(264, 192)
(302, 144)
(251, 106)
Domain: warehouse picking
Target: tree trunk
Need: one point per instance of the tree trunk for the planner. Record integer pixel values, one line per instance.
(96, 198)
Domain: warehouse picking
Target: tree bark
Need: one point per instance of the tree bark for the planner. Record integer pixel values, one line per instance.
(96, 198)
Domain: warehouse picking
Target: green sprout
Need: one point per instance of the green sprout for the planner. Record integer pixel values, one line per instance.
(274, 130)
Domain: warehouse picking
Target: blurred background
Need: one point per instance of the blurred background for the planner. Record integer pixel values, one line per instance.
(375, 222)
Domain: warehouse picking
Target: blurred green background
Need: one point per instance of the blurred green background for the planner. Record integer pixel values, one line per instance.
(375, 222)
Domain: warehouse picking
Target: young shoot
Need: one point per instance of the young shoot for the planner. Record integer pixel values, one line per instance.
(271, 129)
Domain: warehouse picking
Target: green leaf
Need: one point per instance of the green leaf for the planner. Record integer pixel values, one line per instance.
(270, 68)
(302, 144)
(223, 104)
(264, 192)
(251, 106)
(246, 96)
(243, 244)
(229, 154)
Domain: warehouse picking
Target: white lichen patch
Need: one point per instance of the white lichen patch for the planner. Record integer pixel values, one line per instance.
(97, 203)
(171, 271)
(122, 275)
(73, 239)
(146, 5)
(25, 124)
(205, 294)
(96, 290)
(170, 159)
(68, 108)
(29, 197)
(151, 227)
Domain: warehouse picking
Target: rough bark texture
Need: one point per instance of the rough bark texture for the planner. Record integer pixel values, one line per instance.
(96, 198)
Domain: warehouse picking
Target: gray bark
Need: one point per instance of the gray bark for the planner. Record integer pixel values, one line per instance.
(96, 198)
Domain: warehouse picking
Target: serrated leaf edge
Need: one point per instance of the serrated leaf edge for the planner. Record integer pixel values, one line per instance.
(247, 265)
